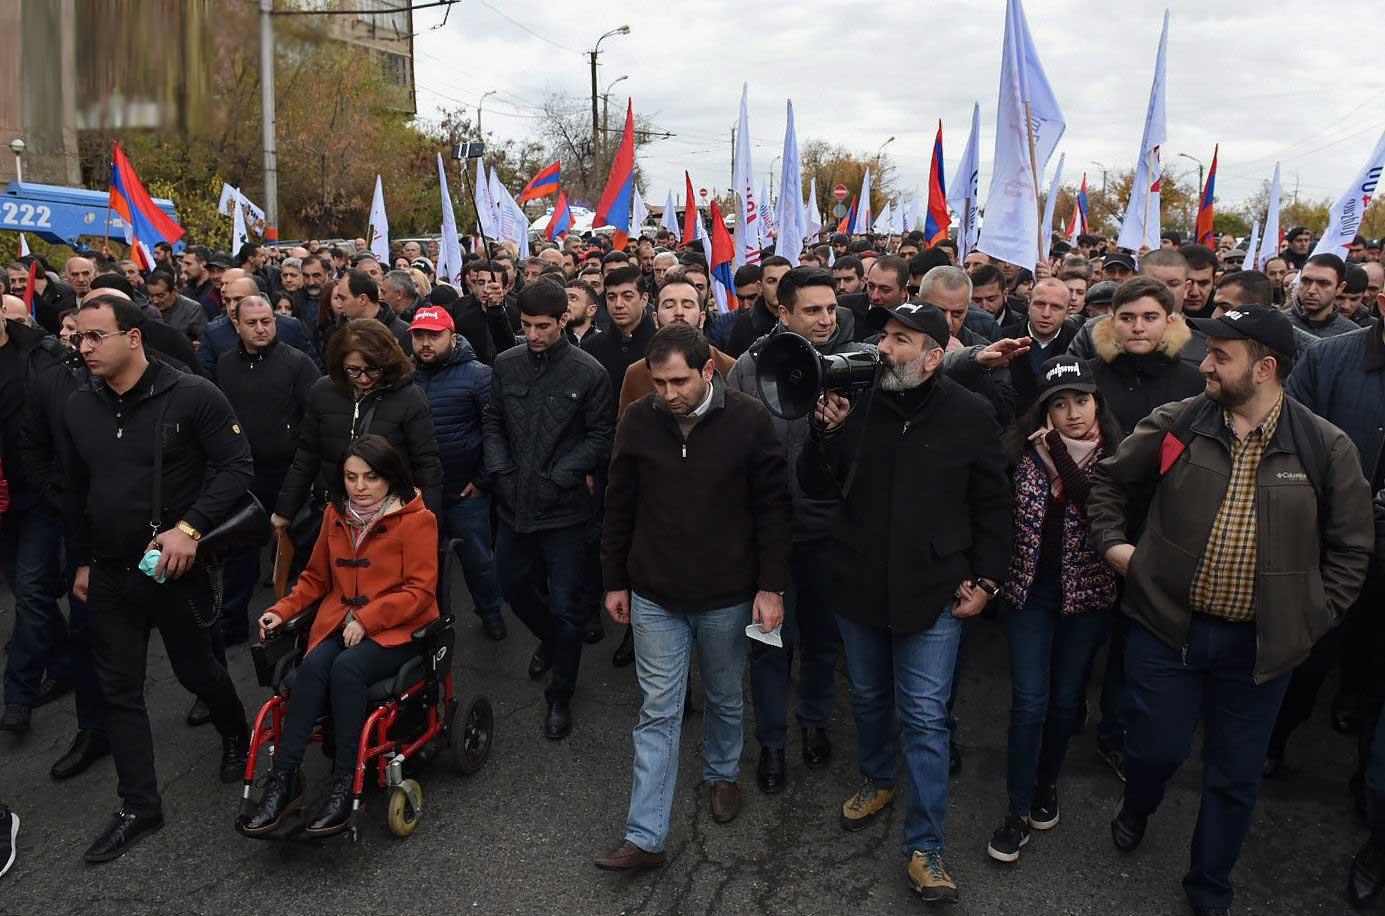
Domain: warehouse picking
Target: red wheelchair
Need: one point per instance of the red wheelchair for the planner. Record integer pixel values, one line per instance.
(415, 717)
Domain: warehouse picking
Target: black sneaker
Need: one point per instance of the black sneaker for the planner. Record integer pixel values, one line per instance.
(1114, 755)
(124, 830)
(1008, 839)
(9, 832)
(1127, 830)
(1043, 810)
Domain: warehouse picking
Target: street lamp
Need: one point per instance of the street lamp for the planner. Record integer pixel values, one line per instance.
(771, 179)
(606, 107)
(17, 147)
(1199, 171)
(881, 151)
(593, 53)
(479, 105)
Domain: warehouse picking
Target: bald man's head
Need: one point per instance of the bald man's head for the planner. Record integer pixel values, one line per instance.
(80, 273)
(237, 289)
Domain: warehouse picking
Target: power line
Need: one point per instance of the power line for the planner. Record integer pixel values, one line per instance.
(524, 28)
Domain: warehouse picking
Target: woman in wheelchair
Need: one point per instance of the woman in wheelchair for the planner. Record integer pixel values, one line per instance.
(374, 570)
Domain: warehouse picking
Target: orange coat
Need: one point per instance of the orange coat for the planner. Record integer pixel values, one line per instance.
(399, 580)
(640, 382)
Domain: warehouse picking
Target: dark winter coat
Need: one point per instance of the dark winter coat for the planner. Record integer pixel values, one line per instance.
(549, 423)
(1134, 385)
(268, 390)
(1342, 380)
(929, 504)
(458, 389)
(334, 419)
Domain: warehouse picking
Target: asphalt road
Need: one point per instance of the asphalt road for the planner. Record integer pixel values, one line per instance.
(519, 836)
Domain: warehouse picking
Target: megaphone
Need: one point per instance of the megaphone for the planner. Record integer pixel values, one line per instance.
(791, 375)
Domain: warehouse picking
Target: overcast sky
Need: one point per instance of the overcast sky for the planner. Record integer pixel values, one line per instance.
(1269, 81)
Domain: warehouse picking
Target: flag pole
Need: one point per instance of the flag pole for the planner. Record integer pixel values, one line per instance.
(1149, 192)
(1034, 173)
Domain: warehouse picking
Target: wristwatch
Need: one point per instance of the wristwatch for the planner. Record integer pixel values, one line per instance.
(990, 590)
(189, 531)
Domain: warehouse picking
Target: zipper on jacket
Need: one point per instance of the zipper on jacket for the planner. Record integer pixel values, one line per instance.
(1185, 656)
(685, 449)
(903, 430)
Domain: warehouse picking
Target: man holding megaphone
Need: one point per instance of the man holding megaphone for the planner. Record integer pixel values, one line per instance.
(919, 541)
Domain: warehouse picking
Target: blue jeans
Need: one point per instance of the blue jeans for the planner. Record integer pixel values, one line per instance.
(1115, 692)
(810, 631)
(1049, 656)
(558, 552)
(664, 643)
(469, 522)
(336, 678)
(899, 689)
(1170, 690)
(33, 565)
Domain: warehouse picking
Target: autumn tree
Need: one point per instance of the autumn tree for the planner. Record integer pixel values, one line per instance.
(833, 165)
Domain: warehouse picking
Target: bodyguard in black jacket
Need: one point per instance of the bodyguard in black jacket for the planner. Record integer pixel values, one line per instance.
(548, 428)
(136, 415)
(267, 383)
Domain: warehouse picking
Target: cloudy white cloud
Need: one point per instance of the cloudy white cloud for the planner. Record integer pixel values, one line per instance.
(1285, 82)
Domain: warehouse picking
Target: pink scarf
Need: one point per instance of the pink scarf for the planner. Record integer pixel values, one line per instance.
(1083, 451)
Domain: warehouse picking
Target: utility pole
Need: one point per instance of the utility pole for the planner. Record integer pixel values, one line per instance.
(271, 154)
(596, 135)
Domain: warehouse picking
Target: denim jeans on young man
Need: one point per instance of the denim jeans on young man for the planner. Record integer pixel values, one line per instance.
(468, 521)
(810, 633)
(557, 621)
(899, 689)
(1208, 679)
(33, 550)
(1049, 655)
(664, 642)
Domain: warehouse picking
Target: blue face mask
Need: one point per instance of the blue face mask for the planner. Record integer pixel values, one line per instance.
(150, 563)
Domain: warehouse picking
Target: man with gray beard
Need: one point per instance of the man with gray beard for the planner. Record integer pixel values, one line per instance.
(921, 538)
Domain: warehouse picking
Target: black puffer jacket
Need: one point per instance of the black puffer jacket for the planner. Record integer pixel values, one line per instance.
(617, 353)
(334, 419)
(550, 422)
(268, 390)
(457, 388)
(1134, 386)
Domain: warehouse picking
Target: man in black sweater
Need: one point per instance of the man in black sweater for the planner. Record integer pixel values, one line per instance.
(267, 384)
(134, 417)
(694, 463)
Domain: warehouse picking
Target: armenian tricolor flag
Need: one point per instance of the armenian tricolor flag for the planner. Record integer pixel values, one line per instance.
(937, 221)
(542, 184)
(614, 208)
(561, 222)
(1204, 233)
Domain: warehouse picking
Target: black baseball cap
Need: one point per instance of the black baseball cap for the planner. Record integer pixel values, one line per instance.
(921, 316)
(841, 238)
(1065, 373)
(219, 260)
(1118, 257)
(1265, 325)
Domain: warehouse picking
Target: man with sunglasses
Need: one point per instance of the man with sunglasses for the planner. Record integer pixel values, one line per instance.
(136, 550)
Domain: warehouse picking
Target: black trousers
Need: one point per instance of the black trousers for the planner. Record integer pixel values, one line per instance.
(125, 606)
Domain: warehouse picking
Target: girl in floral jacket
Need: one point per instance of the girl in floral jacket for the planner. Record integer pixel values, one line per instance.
(1058, 588)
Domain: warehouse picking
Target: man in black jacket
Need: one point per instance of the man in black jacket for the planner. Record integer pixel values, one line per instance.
(134, 416)
(547, 430)
(807, 307)
(921, 539)
(694, 463)
(38, 666)
(357, 295)
(632, 327)
(458, 385)
(266, 383)
(1049, 330)
(757, 319)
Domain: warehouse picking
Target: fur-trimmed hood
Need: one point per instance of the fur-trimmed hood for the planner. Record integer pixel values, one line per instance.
(1108, 348)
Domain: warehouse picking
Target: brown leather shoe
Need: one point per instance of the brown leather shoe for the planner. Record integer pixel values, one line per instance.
(726, 801)
(629, 857)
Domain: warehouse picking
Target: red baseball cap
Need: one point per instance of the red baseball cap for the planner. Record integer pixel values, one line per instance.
(432, 319)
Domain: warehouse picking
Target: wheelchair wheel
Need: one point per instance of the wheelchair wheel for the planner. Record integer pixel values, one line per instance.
(402, 816)
(470, 731)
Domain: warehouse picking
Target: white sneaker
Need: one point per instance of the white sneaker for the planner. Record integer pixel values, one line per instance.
(9, 831)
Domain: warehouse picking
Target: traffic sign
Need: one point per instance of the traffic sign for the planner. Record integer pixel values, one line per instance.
(702, 193)
(839, 211)
(839, 191)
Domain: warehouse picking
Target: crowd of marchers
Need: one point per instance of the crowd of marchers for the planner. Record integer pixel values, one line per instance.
(1159, 453)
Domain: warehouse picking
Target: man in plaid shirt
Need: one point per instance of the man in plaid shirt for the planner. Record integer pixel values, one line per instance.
(1257, 539)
